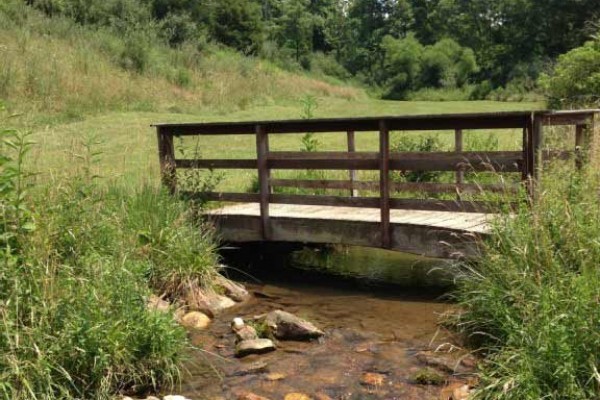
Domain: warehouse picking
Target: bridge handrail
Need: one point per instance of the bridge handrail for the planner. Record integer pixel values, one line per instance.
(526, 161)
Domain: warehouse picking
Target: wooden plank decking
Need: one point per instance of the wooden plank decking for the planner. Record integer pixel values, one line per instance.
(430, 233)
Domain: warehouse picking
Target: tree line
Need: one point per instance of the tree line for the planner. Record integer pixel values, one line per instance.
(397, 46)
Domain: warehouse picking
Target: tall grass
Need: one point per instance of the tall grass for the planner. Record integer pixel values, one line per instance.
(79, 261)
(57, 68)
(532, 301)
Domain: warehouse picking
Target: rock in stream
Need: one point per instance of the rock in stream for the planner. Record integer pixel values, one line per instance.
(286, 326)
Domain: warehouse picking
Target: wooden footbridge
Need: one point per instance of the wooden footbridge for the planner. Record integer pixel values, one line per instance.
(388, 212)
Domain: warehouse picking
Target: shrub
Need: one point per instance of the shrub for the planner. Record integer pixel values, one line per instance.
(136, 53)
(326, 64)
(421, 143)
(575, 80)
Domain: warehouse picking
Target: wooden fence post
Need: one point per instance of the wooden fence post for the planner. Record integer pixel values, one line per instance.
(352, 173)
(262, 150)
(534, 153)
(580, 144)
(166, 157)
(384, 182)
(458, 147)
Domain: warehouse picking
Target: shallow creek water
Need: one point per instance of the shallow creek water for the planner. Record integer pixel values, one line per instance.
(368, 329)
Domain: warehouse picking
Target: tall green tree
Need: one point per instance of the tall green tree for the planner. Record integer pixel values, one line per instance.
(238, 24)
(399, 17)
(296, 27)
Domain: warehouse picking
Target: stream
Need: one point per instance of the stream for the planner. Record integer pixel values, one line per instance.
(377, 322)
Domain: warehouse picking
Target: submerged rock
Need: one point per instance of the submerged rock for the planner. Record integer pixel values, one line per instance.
(296, 396)
(372, 379)
(455, 391)
(286, 326)
(428, 376)
(195, 320)
(232, 289)
(275, 376)
(257, 367)
(254, 346)
(447, 362)
(251, 396)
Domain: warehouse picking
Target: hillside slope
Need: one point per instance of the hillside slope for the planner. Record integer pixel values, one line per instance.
(52, 67)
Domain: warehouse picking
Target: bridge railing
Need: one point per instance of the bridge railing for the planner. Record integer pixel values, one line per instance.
(526, 161)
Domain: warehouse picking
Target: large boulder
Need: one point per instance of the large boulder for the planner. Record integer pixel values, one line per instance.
(254, 346)
(207, 301)
(232, 289)
(195, 320)
(286, 326)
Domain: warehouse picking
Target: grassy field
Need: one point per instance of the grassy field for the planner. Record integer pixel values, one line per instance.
(80, 255)
(127, 143)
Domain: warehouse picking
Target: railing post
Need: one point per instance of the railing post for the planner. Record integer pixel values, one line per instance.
(352, 173)
(384, 183)
(262, 150)
(580, 144)
(458, 148)
(166, 157)
(534, 153)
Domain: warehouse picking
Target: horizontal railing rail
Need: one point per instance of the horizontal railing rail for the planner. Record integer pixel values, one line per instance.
(384, 191)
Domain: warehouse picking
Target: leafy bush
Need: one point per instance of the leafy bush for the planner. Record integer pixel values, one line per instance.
(481, 90)
(410, 66)
(575, 81)
(136, 53)
(419, 143)
(447, 64)
(402, 65)
(326, 64)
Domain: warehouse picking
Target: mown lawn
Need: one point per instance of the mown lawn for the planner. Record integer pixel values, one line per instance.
(123, 145)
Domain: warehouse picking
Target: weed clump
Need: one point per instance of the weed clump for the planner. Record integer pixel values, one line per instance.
(531, 301)
(79, 262)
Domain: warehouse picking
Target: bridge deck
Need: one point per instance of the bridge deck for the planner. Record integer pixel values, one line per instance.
(414, 231)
